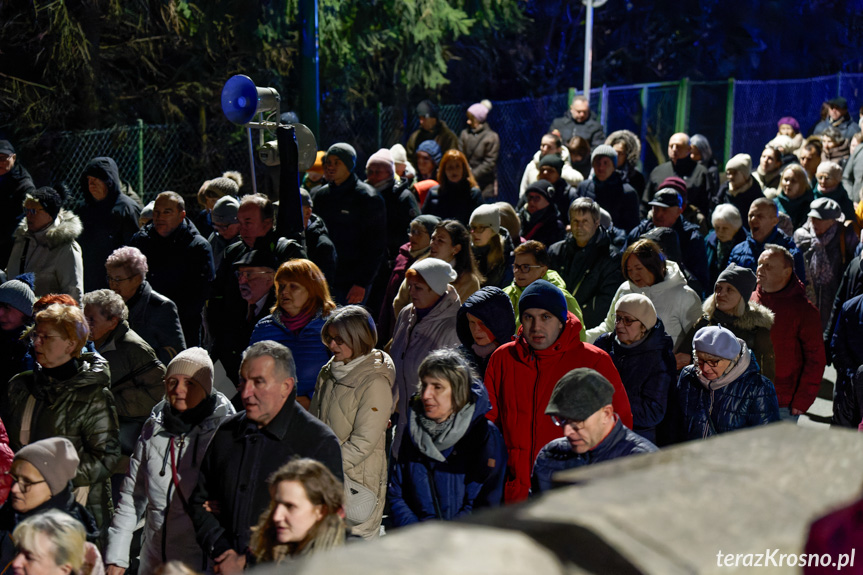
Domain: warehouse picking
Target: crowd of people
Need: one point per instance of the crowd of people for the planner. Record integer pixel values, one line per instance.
(422, 351)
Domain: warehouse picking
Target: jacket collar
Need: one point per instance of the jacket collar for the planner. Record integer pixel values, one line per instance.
(278, 427)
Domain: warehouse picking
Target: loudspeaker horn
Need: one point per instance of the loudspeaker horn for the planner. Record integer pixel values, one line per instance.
(242, 100)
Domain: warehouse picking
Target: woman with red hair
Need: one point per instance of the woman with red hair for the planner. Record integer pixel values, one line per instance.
(458, 194)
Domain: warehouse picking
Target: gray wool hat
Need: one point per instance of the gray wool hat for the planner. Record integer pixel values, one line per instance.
(55, 458)
(225, 210)
(579, 394)
(604, 150)
(18, 295)
(824, 209)
(345, 152)
(194, 363)
(743, 279)
(486, 215)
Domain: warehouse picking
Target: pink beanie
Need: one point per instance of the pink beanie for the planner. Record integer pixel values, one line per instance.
(382, 156)
(480, 110)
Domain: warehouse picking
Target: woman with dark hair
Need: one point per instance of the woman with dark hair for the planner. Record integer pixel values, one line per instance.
(458, 193)
(628, 149)
(303, 302)
(491, 246)
(450, 242)
(304, 516)
(649, 273)
(453, 459)
(353, 396)
(579, 155)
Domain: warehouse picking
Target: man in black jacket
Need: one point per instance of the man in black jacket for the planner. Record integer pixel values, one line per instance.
(356, 217)
(180, 261)
(578, 121)
(248, 448)
(587, 261)
(680, 164)
(15, 183)
(319, 246)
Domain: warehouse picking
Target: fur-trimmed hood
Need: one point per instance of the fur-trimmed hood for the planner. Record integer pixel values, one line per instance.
(754, 316)
(64, 230)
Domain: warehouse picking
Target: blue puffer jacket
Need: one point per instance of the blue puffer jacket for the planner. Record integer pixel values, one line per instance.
(648, 371)
(492, 306)
(558, 455)
(472, 476)
(748, 401)
(310, 353)
(746, 252)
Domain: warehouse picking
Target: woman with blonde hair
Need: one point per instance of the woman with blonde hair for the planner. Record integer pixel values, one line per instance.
(458, 193)
(303, 303)
(353, 397)
(304, 516)
(491, 246)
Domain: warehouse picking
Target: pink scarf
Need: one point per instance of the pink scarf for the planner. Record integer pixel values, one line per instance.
(297, 322)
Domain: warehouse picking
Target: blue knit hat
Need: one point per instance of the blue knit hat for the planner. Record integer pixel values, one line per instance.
(544, 295)
(718, 341)
(431, 148)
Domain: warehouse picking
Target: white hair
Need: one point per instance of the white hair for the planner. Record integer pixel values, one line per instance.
(727, 213)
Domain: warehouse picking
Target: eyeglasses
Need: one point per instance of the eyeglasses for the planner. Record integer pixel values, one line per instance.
(119, 280)
(36, 336)
(627, 321)
(337, 339)
(523, 268)
(477, 229)
(23, 485)
(714, 363)
(563, 422)
(249, 275)
(33, 211)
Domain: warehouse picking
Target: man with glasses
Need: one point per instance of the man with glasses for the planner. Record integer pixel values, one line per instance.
(521, 375)
(46, 245)
(531, 264)
(40, 478)
(581, 406)
(15, 184)
(253, 276)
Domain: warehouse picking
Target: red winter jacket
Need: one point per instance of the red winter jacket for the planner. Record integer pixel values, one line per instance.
(797, 343)
(6, 457)
(519, 381)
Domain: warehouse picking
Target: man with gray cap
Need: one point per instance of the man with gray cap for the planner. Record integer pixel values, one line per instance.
(226, 227)
(581, 405)
(41, 474)
(607, 188)
(356, 217)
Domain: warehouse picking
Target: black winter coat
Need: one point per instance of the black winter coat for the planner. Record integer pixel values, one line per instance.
(108, 224)
(320, 247)
(591, 130)
(237, 464)
(740, 201)
(543, 227)
(592, 273)
(154, 317)
(698, 185)
(850, 286)
(180, 268)
(453, 201)
(14, 186)
(615, 196)
(402, 208)
(647, 371)
(356, 217)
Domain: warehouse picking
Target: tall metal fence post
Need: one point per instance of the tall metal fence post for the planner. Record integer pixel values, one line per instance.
(645, 100)
(681, 120)
(729, 120)
(380, 127)
(838, 82)
(141, 158)
(603, 107)
(570, 94)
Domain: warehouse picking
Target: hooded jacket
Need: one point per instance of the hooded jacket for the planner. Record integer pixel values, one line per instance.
(615, 196)
(482, 148)
(531, 172)
(149, 493)
(753, 327)
(180, 268)
(677, 305)
(558, 455)
(494, 309)
(413, 340)
(520, 380)
(747, 401)
(310, 353)
(52, 254)
(108, 224)
(81, 409)
(648, 371)
(471, 476)
(514, 292)
(357, 407)
(154, 317)
(592, 273)
(796, 336)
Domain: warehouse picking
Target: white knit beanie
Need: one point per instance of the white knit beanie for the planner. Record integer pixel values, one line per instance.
(486, 215)
(436, 273)
(383, 157)
(195, 363)
(639, 307)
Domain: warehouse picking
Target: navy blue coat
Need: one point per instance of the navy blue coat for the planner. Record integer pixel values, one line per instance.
(746, 252)
(647, 371)
(558, 455)
(493, 307)
(471, 477)
(616, 197)
(847, 347)
(748, 401)
(715, 264)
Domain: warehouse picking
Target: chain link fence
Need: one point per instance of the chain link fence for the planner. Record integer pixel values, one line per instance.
(734, 116)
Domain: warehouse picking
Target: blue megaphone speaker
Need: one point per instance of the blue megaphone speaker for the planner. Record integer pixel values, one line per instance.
(242, 100)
